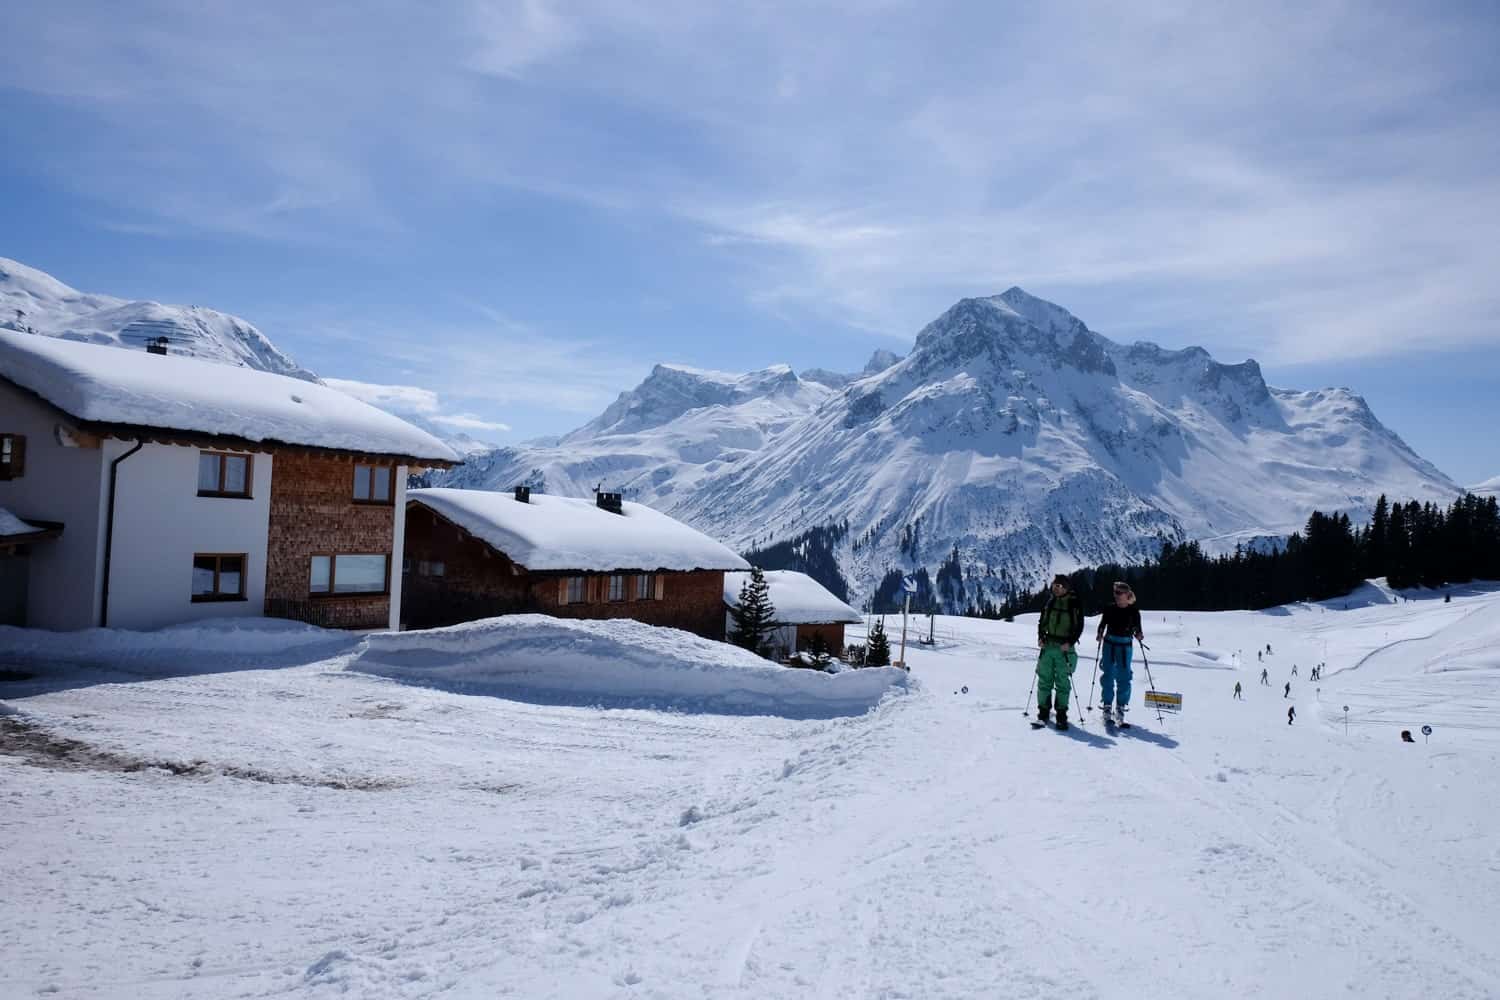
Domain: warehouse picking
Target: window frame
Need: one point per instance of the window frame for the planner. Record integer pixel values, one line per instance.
(12, 465)
(645, 587)
(583, 590)
(333, 561)
(221, 493)
(370, 501)
(217, 597)
(610, 598)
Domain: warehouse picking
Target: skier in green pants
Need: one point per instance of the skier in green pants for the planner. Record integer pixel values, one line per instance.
(1057, 634)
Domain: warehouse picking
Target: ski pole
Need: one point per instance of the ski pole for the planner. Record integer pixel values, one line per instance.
(1147, 662)
(1097, 650)
(1029, 692)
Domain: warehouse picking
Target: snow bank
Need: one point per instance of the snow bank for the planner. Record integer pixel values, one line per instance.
(213, 643)
(562, 533)
(617, 663)
(107, 385)
(797, 597)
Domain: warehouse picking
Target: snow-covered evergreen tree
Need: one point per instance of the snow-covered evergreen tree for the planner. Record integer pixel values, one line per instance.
(878, 651)
(754, 614)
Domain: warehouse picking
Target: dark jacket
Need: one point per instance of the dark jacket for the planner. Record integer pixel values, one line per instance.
(1062, 619)
(1122, 622)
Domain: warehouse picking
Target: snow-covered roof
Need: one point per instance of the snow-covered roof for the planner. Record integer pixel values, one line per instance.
(797, 598)
(10, 524)
(566, 533)
(108, 385)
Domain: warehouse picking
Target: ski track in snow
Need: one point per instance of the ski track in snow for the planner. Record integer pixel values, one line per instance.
(935, 847)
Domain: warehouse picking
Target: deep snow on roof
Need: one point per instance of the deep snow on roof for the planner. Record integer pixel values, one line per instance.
(110, 385)
(10, 524)
(561, 533)
(797, 598)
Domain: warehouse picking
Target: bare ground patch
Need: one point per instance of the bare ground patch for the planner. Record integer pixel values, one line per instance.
(40, 748)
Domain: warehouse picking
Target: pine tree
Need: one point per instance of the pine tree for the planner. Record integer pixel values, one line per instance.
(878, 650)
(754, 615)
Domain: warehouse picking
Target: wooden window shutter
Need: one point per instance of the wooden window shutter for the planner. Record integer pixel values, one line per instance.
(661, 585)
(18, 456)
(594, 582)
(562, 590)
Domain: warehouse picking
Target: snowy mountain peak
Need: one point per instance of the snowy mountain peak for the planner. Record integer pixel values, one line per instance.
(33, 301)
(880, 361)
(1040, 313)
(671, 390)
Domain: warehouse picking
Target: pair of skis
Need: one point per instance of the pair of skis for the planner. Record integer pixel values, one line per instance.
(1110, 723)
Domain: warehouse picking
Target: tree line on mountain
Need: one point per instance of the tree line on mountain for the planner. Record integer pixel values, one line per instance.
(1412, 544)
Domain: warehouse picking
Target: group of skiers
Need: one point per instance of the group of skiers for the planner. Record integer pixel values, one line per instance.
(1058, 631)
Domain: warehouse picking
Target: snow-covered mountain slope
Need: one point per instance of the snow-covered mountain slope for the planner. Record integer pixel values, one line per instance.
(36, 302)
(660, 439)
(186, 817)
(1011, 432)
(1488, 488)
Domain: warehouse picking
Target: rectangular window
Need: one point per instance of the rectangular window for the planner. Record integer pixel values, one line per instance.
(349, 574)
(12, 456)
(431, 567)
(645, 587)
(223, 475)
(617, 588)
(322, 574)
(374, 484)
(577, 592)
(219, 577)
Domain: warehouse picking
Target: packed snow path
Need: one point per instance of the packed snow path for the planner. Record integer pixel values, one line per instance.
(337, 834)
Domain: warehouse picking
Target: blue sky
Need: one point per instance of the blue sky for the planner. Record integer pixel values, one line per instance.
(520, 205)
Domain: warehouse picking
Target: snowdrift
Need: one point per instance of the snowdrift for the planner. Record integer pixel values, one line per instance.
(205, 646)
(619, 663)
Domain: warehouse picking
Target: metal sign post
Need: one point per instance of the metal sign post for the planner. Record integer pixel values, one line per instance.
(909, 585)
(1426, 732)
(1346, 720)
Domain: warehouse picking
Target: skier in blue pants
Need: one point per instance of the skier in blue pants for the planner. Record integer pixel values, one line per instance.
(1119, 627)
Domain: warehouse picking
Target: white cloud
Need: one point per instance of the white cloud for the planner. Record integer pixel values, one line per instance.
(469, 422)
(1306, 179)
(397, 398)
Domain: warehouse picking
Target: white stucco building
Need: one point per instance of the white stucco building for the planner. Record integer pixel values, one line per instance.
(166, 489)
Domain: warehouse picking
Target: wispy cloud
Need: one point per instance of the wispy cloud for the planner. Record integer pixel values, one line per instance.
(1303, 180)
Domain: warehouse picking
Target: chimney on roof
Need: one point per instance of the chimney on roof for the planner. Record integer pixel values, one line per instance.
(157, 345)
(610, 502)
(523, 494)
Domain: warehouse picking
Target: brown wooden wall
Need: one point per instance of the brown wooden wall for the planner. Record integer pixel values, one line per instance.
(313, 513)
(833, 635)
(479, 582)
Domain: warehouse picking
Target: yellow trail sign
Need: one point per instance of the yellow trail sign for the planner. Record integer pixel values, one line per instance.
(1165, 701)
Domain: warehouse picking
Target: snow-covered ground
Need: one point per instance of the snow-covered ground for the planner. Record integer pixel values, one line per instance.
(320, 831)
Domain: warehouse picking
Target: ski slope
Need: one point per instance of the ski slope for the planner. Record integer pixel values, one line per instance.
(334, 833)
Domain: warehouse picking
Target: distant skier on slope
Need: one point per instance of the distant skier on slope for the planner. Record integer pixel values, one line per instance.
(1265, 676)
(1119, 627)
(1288, 692)
(1237, 692)
(1294, 670)
(1291, 713)
(1057, 633)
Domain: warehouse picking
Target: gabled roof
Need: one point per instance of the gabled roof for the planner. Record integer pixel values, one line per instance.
(107, 387)
(797, 598)
(564, 533)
